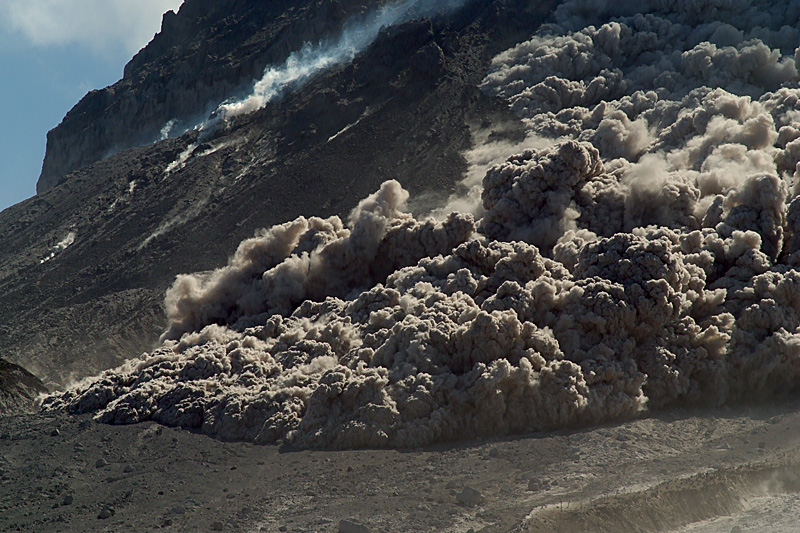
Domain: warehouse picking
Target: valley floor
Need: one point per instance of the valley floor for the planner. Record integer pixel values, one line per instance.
(716, 470)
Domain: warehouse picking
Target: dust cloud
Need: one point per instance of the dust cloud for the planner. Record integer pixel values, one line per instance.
(638, 253)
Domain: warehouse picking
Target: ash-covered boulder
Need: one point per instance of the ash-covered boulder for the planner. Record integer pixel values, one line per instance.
(18, 388)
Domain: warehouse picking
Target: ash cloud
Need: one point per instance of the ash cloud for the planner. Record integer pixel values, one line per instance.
(639, 253)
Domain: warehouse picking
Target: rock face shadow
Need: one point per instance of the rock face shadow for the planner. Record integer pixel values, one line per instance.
(19, 389)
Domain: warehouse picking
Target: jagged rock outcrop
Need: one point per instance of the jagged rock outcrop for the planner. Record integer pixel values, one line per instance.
(18, 388)
(203, 54)
(84, 264)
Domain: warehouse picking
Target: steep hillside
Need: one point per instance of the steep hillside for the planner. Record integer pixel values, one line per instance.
(84, 265)
(601, 325)
(205, 53)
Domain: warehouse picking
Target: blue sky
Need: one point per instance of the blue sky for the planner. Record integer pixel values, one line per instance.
(52, 52)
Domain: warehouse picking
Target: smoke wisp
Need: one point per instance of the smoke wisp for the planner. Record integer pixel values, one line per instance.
(62, 245)
(312, 59)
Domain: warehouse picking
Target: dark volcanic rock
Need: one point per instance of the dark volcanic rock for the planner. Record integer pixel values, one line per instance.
(84, 264)
(205, 53)
(18, 388)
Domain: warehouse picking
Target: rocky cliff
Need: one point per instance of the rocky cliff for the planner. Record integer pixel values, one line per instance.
(203, 54)
(85, 263)
(18, 388)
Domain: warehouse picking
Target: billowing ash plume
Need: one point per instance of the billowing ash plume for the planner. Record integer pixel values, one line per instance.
(643, 255)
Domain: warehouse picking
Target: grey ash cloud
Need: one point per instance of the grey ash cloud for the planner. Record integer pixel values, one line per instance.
(639, 254)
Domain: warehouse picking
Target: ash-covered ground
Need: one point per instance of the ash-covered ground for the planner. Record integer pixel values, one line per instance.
(711, 470)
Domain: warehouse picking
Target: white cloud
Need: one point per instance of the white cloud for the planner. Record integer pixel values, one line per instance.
(102, 25)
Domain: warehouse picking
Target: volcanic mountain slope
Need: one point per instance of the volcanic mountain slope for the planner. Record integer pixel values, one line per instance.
(205, 53)
(84, 264)
(637, 252)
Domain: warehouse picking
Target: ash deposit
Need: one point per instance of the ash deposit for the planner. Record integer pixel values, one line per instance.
(642, 256)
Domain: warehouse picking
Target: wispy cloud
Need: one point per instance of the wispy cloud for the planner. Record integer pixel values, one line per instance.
(101, 25)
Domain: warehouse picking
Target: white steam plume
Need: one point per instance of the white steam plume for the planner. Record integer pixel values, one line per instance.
(62, 245)
(641, 255)
(311, 59)
(301, 66)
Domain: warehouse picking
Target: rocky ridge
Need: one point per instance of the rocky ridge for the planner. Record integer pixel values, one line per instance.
(84, 264)
(203, 54)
